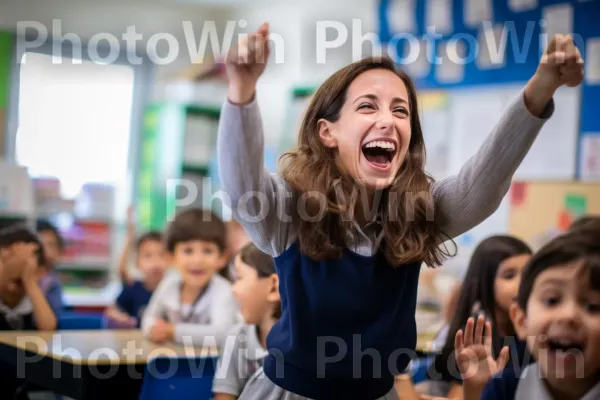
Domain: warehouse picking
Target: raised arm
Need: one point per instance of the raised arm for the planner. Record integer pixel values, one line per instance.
(465, 200)
(260, 201)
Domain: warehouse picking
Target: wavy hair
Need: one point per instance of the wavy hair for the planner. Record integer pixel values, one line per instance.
(405, 208)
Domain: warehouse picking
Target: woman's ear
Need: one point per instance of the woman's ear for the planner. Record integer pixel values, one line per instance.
(325, 133)
(519, 320)
(273, 294)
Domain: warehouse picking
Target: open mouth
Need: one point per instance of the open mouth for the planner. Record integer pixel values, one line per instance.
(379, 153)
(564, 347)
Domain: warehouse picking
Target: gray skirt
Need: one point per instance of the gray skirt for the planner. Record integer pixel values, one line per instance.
(259, 387)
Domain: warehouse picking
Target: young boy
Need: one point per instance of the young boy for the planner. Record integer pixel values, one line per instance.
(558, 315)
(23, 305)
(197, 303)
(53, 245)
(151, 261)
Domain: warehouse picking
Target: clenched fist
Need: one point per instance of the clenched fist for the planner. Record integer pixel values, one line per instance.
(245, 63)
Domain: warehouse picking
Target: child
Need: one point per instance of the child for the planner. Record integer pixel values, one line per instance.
(256, 288)
(151, 261)
(54, 246)
(23, 305)
(491, 284)
(197, 304)
(558, 314)
(586, 223)
(351, 219)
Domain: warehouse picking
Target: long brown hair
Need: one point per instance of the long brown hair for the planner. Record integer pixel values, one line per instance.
(405, 208)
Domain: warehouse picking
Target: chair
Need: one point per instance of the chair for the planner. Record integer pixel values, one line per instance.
(418, 369)
(79, 321)
(179, 378)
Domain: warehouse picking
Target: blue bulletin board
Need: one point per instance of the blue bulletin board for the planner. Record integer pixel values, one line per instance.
(471, 30)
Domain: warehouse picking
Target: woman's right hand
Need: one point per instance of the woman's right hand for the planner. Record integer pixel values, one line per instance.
(245, 63)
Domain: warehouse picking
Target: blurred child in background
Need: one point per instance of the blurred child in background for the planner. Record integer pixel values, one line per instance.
(256, 288)
(489, 287)
(53, 245)
(23, 305)
(557, 313)
(151, 261)
(197, 303)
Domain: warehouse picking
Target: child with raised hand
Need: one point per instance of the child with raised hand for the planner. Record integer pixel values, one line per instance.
(23, 305)
(256, 288)
(353, 215)
(195, 306)
(151, 260)
(489, 288)
(54, 246)
(557, 313)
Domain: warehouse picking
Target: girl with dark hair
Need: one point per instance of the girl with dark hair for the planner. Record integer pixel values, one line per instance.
(490, 286)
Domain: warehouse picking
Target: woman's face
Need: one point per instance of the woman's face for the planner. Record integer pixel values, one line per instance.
(373, 132)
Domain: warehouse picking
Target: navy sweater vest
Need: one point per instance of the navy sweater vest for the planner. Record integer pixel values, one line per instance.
(347, 325)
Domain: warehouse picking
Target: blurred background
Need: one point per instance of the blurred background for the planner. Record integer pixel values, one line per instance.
(109, 104)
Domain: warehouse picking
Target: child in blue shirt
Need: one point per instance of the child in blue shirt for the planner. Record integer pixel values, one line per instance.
(558, 315)
(353, 215)
(54, 246)
(151, 260)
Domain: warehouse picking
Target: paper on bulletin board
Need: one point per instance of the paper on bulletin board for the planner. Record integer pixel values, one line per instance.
(522, 5)
(590, 157)
(477, 11)
(401, 16)
(434, 122)
(492, 41)
(592, 67)
(476, 112)
(558, 20)
(452, 68)
(439, 16)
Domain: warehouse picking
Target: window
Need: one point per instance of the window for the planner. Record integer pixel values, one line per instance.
(74, 121)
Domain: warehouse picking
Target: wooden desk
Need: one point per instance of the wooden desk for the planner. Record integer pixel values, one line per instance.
(87, 364)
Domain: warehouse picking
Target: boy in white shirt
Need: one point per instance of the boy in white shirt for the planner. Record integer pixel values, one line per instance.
(197, 305)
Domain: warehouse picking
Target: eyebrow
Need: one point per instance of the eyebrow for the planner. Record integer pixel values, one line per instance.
(374, 98)
(552, 282)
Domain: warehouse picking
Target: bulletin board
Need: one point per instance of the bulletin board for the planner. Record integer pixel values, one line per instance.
(500, 43)
(541, 210)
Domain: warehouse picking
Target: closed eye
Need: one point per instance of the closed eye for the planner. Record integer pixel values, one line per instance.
(401, 110)
(365, 105)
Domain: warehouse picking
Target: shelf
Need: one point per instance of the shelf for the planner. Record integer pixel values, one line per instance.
(85, 264)
(89, 297)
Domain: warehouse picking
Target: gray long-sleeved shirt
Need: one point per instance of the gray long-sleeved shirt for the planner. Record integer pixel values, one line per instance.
(262, 201)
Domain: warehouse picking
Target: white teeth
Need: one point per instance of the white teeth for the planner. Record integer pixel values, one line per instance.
(389, 146)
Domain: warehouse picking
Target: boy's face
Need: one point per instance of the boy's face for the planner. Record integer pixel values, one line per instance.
(151, 259)
(562, 325)
(254, 294)
(51, 247)
(197, 261)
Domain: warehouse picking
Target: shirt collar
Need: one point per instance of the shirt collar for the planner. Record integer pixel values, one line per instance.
(531, 386)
